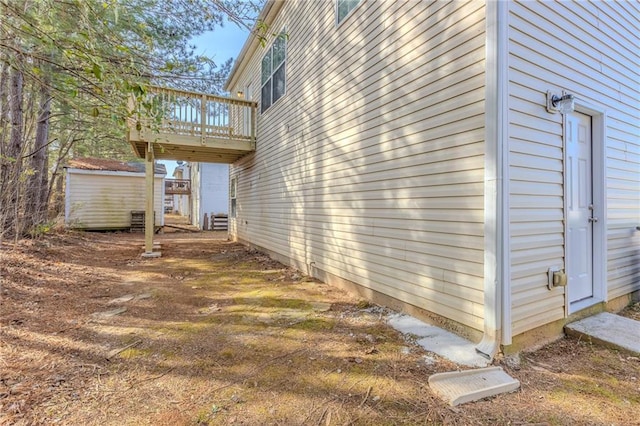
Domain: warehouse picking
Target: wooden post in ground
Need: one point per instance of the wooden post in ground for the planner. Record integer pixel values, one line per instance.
(149, 217)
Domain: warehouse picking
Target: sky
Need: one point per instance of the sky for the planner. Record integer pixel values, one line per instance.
(220, 45)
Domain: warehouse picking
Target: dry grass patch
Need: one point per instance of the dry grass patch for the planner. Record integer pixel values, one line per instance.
(227, 336)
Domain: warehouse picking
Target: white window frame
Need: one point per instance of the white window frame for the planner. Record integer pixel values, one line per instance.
(281, 35)
(349, 12)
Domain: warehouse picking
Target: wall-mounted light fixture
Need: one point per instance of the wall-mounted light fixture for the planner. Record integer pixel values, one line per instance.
(240, 94)
(556, 277)
(564, 104)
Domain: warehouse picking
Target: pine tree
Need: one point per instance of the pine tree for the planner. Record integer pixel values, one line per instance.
(67, 69)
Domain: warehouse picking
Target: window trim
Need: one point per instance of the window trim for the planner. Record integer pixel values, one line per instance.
(345, 17)
(282, 34)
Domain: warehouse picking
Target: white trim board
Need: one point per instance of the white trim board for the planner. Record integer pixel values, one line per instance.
(497, 301)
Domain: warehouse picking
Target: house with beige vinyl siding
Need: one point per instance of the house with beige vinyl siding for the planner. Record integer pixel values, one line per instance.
(208, 195)
(474, 163)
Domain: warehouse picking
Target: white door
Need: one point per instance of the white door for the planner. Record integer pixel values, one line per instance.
(580, 208)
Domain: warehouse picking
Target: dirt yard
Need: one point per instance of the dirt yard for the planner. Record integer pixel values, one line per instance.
(214, 334)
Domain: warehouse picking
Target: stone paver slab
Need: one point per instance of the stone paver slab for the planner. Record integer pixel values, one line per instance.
(608, 329)
(458, 387)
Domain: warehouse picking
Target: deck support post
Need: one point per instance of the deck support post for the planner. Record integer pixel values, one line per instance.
(149, 217)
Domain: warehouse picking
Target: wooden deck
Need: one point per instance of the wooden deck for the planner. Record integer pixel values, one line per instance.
(192, 126)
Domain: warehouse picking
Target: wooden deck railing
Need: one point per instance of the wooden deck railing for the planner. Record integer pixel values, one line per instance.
(181, 113)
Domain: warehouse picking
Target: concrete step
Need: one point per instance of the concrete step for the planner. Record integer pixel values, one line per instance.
(608, 329)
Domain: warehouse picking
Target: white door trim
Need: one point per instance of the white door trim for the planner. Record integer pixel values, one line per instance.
(598, 152)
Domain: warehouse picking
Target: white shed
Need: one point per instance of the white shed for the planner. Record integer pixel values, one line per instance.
(101, 194)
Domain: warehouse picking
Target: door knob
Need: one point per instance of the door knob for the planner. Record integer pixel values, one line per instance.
(593, 219)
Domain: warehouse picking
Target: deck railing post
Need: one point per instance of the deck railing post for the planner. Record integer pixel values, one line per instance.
(203, 118)
(230, 118)
(253, 124)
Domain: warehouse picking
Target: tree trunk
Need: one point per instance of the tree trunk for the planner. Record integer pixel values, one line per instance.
(14, 155)
(4, 114)
(44, 188)
(57, 176)
(38, 186)
(4, 123)
(57, 196)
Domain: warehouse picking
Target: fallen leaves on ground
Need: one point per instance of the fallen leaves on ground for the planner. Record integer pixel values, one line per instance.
(215, 333)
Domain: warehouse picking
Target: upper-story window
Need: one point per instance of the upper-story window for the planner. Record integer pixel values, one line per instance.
(343, 7)
(273, 72)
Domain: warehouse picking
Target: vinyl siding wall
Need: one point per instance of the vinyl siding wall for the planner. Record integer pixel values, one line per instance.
(210, 190)
(214, 182)
(104, 199)
(590, 49)
(370, 167)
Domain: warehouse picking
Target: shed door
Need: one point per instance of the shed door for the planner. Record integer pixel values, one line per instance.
(580, 220)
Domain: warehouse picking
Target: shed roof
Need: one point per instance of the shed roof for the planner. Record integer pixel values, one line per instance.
(112, 165)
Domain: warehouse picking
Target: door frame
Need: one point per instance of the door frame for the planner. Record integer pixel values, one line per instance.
(599, 187)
